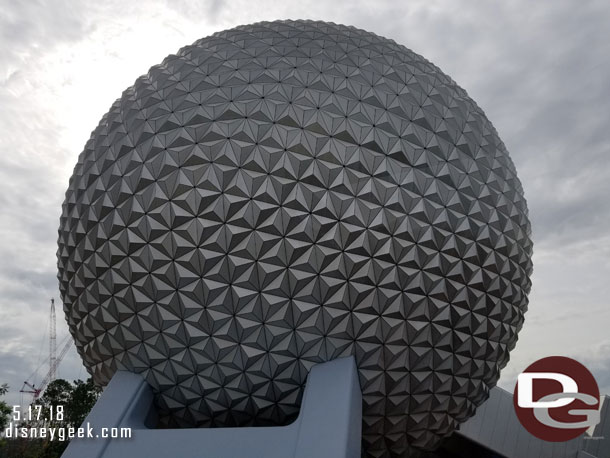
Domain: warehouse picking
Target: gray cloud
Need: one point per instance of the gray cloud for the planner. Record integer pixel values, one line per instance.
(33, 27)
(598, 362)
(596, 359)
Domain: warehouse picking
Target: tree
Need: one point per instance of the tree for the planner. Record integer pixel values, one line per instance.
(84, 397)
(58, 394)
(74, 400)
(5, 410)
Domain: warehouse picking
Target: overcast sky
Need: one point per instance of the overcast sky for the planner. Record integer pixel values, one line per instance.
(540, 70)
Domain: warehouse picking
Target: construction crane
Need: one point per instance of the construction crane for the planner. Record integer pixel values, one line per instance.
(54, 360)
(52, 343)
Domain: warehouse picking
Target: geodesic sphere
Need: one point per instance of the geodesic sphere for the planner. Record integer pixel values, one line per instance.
(286, 193)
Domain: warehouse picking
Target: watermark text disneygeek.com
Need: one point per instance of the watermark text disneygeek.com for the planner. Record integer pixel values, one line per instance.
(64, 433)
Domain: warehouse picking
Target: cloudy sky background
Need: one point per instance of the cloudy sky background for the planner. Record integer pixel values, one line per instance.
(540, 70)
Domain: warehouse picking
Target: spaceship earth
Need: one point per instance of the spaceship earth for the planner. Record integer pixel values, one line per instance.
(285, 193)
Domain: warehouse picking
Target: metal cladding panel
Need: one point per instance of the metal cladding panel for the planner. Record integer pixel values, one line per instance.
(507, 437)
(599, 444)
(286, 193)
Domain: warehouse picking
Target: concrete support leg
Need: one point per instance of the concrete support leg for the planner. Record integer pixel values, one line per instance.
(329, 424)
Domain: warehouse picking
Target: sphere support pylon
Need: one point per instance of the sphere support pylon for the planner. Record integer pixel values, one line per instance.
(329, 423)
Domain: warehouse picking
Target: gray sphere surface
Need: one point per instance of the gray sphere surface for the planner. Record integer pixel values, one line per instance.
(286, 193)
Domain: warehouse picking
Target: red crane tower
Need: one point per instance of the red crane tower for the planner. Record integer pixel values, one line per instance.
(52, 343)
(54, 360)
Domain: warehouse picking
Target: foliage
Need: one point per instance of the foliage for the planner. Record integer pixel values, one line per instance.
(84, 396)
(76, 400)
(5, 410)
